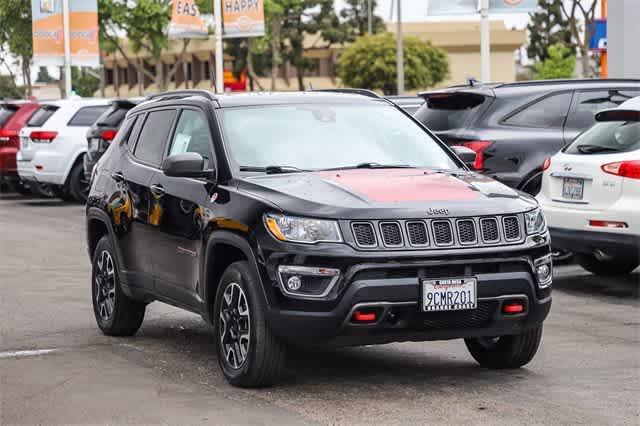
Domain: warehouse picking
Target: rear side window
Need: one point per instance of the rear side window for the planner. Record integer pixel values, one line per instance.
(6, 112)
(153, 136)
(113, 116)
(606, 138)
(87, 116)
(586, 104)
(41, 115)
(449, 112)
(550, 113)
(125, 131)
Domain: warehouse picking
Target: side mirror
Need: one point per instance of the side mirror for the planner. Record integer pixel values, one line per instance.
(467, 155)
(186, 164)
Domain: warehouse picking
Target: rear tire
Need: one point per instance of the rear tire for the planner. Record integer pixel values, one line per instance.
(116, 313)
(607, 268)
(78, 184)
(505, 352)
(20, 187)
(44, 190)
(249, 354)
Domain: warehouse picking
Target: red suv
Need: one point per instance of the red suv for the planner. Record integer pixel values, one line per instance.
(13, 117)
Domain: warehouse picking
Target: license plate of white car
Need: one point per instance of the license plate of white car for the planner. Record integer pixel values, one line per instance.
(448, 294)
(94, 143)
(572, 188)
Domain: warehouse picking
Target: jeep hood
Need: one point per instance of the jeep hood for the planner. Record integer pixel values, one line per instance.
(386, 194)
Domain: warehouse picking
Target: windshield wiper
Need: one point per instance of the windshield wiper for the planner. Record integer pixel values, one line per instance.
(270, 170)
(373, 165)
(591, 149)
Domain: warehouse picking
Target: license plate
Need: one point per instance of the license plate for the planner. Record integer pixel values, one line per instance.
(448, 294)
(572, 188)
(24, 143)
(94, 144)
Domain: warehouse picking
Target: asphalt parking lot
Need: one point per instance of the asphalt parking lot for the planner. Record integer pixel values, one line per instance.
(57, 368)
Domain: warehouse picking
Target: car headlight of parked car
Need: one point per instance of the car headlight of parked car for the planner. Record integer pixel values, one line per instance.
(535, 222)
(302, 230)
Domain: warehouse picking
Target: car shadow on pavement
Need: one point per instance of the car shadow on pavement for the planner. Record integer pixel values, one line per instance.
(45, 202)
(622, 286)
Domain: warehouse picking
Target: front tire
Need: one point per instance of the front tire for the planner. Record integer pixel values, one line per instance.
(249, 354)
(607, 268)
(116, 313)
(505, 352)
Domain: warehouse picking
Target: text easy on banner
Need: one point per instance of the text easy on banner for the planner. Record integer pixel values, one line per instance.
(243, 18)
(48, 33)
(186, 21)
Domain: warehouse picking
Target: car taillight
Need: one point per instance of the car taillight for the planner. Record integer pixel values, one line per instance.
(108, 135)
(546, 164)
(7, 135)
(40, 136)
(628, 169)
(479, 147)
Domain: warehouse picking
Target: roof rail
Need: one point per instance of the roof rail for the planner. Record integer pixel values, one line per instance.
(363, 92)
(176, 94)
(569, 81)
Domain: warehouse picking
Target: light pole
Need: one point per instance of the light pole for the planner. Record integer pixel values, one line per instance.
(217, 12)
(67, 48)
(485, 53)
(399, 52)
(370, 25)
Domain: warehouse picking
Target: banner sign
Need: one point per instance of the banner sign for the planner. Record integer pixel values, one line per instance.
(598, 31)
(243, 18)
(186, 21)
(512, 6)
(48, 33)
(471, 7)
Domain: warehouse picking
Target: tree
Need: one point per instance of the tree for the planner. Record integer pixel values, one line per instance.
(8, 88)
(581, 33)
(85, 82)
(561, 63)
(43, 76)
(370, 63)
(356, 18)
(547, 27)
(15, 35)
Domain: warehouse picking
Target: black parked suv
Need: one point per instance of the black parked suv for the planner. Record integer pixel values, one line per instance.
(513, 127)
(104, 130)
(311, 218)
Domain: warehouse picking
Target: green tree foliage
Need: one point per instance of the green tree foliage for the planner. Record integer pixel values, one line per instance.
(15, 35)
(560, 63)
(85, 82)
(8, 88)
(370, 63)
(547, 27)
(355, 15)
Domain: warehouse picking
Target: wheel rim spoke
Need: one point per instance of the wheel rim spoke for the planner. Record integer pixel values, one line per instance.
(105, 285)
(235, 326)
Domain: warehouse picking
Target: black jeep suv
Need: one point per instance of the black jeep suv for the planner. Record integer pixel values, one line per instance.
(311, 218)
(513, 127)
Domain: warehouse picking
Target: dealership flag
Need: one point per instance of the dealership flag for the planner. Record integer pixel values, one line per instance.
(243, 18)
(186, 21)
(48, 32)
(470, 7)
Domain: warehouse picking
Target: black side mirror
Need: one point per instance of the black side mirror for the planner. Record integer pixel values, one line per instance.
(186, 164)
(467, 155)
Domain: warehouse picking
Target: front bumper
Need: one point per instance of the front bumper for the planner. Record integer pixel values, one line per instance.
(392, 288)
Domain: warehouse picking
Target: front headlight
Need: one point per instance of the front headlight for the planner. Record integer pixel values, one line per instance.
(535, 222)
(301, 229)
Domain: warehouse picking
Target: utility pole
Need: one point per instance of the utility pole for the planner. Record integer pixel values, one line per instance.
(485, 53)
(369, 23)
(217, 12)
(67, 49)
(604, 59)
(399, 52)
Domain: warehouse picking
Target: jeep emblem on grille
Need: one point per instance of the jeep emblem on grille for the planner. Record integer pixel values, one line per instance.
(439, 212)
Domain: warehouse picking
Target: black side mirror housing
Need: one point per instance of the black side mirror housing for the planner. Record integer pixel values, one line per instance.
(467, 155)
(186, 164)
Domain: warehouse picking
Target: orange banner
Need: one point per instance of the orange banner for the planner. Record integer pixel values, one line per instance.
(48, 33)
(186, 21)
(243, 18)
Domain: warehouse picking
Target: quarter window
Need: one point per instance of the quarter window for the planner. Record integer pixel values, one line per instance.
(192, 135)
(550, 112)
(588, 103)
(87, 116)
(153, 136)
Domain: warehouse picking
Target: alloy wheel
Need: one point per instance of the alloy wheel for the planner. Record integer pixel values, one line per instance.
(105, 282)
(235, 325)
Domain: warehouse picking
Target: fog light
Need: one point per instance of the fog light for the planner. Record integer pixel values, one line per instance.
(307, 282)
(544, 271)
(294, 283)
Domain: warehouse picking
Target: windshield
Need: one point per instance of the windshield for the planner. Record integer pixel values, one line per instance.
(607, 137)
(323, 136)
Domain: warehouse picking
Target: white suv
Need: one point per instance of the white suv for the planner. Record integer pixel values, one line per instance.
(53, 143)
(591, 193)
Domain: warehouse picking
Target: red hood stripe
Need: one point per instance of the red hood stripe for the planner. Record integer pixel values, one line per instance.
(401, 185)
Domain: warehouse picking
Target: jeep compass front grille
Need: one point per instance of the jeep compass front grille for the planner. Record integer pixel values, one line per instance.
(444, 233)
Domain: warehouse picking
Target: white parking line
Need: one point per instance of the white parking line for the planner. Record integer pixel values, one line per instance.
(23, 354)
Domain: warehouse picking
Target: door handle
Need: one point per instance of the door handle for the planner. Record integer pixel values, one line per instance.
(157, 190)
(117, 176)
